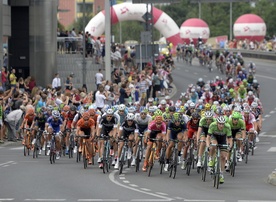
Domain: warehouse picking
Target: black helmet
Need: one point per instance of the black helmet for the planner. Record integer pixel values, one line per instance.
(195, 115)
(172, 109)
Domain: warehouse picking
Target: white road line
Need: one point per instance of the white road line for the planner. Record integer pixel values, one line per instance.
(5, 166)
(272, 112)
(122, 178)
(268, 115)
(98, 199)
(6, 163)
(161, 193)
(261, 134)
(43, 199)
(268, 77)
(112, 178)
(263, 119)
(6, 199)
(152, 199)
(126, 181)
(17, 148)
(272, 149)
(254, 201)
(133, 185)
(178, 198)
(199, 200)
(263, 143)
(268, 136)
(145, 189)
(195, 73)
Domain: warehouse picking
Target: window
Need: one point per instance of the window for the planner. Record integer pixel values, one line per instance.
(88, 8)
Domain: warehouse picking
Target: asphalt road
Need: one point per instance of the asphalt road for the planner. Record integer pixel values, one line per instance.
(27, 179)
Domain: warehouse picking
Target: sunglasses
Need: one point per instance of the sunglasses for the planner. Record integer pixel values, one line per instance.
(235, 119)
(221, 124)
(109, 116)
(209, 119)
(130, 120)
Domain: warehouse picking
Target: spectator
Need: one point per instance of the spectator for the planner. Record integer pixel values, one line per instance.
(68, 83)
(99, 78)
(116, 76)
(12, 78)
(124, 93)
(100, 97)
(56, 84)
(5, 82)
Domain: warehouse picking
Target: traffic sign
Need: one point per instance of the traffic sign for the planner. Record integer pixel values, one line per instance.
(154, 1)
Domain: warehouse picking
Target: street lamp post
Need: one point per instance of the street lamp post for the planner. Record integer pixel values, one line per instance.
(107, 40)
(84, 48)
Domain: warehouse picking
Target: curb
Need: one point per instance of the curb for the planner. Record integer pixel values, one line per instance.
(7, 143)
(272, 178)
(172, 94)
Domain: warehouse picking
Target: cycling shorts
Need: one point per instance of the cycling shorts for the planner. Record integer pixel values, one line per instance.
(221, 139)
(191, 132)
(249, 126)
(86, 131)
(235, 131)
(153, 134)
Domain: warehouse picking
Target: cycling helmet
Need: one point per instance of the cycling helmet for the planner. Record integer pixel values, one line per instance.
(200, 80)
(121, 107)
(250, 93)
(150, 99)
(131, 109)
(152, 109)
(226, 108)
(236, 115)
(163, 102)
(176, 117)
(255, 81)
(192, 105)
(231, 90)
(166, 116)
(221, 119)
(245, 105)
(110, 112)
(144, 110)
(158, 112)
(50, 107)
(207, 106)
(130, 116)
(254, 104)
(172, 109)
(216, 103)
(167, 97)
(30, 111)
(246, 110)
(182, 109)
(200, 101)
(81, 110)
(55, 114)
(66, 108)
(192, 90)
(195, 115)
(158, 119)
(73, 108)
(208, 114)
(92, 112)
(85, 115)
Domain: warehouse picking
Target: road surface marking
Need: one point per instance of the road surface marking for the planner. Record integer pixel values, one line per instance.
(254, 201)
(2, 164)
(122, 178)
(268, 115)
(195, 73)
(133, 185)
(272, 112)
(263, 143)
(268, 77)
(199, 200)
(6, 199)
(43, 199)
(145, 189)
(272, 149)
(152, 199)
(98, 199)
(125, 181)
(161, 193)
(268, 136)
(112, 179)
(17, 148)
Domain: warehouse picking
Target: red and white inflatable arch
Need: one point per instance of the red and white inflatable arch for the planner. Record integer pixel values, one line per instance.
(128, 11)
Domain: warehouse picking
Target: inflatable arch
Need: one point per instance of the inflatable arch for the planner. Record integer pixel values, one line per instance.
(128, 11)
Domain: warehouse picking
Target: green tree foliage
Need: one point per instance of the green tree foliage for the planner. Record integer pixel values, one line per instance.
(79, 25)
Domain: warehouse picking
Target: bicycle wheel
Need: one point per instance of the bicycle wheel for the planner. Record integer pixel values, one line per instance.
(162, 160)
(233, 163)
(121, 163)
(84, 162)
(205, 166)
(188, 166)
(137, 160)
(25, 150)
(253, 145)
(35, 152)
(150, 168)
(246, 150)
(217, 173)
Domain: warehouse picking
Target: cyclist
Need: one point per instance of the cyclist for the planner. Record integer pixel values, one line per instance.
(176, 130)
(169, 101)
(163, 105)
(54, 124)
(250, 124)
(219, 132)
(143, 119)
(86, 126)
(40, 121)
(156, 130)
(68, 120)
(107, 126)
(202, 132)
(256, 110)
(238, 131)
(122, 113)
(192, 127)
(129, 130)
(28, 122)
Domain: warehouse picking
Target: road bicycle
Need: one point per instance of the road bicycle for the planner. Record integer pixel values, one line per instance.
(27, 144)
(124, 155)
(174, 159)
(233, 156)
(216, 167)
(84, 149)
(190, 162)
(37, 143)
(139, 153)
(106, 159)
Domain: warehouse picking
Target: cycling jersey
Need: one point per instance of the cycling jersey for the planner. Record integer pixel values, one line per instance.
(154, 130)
(257, 112)
(204, 125)
(55, 124)
(106, 125)
(86, 124)
(40, 122)
(142, 123)
(249, 121)
(29, 119)
(129, 129)
(192, 128)
(237, 128)
(220, 135)
(176, 129)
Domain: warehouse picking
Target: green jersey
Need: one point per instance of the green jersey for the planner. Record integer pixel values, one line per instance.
(226, 131)
(239, 125)
(203, 122)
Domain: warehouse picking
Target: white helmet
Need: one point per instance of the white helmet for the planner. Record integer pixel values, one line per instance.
(152, 109)
(254, 104)
(226, 108)
(163, 102)
(221, 119)
(192, 90)
(167, 97)
(200, 101)
(109, 111)
(200, 80)
(208, 114)
(250, 93)
(216, 103)
(255, 81)
(192, 105)
(150, 99)
(122, 107)
(130, 116)
(131, 109)
(230, 80)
